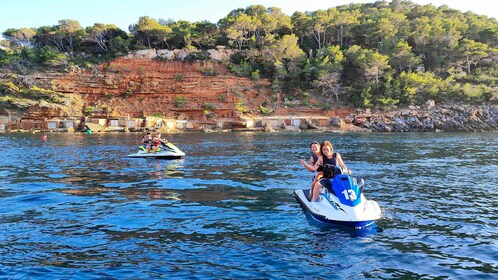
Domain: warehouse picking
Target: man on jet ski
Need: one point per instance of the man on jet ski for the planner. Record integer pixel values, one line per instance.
(146, 140)
(156, 142)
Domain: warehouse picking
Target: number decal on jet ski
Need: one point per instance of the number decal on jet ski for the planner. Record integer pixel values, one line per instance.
(349, 195)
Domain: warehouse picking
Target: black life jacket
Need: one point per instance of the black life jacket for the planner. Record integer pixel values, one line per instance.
(315, 159)
(331, 161)
(329, 166)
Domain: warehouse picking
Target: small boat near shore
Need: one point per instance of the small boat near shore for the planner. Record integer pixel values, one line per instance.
(345, 205)
(165, 151)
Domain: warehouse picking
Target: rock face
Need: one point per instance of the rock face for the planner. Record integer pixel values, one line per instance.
(143, 87)
(463, 118)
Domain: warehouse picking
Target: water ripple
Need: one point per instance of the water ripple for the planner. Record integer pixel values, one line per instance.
(77, 207)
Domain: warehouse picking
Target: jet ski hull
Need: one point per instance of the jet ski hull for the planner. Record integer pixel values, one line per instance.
(329, 211)
(169, 151)
(156, 155)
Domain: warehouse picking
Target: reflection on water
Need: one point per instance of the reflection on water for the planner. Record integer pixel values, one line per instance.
(74, 206)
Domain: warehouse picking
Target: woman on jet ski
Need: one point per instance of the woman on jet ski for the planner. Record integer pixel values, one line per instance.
(315, 149)
(328, 157)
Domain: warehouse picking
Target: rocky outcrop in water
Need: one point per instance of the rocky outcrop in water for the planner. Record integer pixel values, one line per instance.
(465, 118)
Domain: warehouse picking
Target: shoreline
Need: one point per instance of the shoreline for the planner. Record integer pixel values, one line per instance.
(442, 118)
(320, 130)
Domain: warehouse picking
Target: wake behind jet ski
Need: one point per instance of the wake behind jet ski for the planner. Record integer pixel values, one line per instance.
(345, 205)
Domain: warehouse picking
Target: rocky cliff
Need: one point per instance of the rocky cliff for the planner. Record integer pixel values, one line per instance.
(145, 84)
(144, 87)
(141, 86)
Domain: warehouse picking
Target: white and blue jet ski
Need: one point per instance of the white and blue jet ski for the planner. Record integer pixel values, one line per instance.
(344, 205)
(166, 151)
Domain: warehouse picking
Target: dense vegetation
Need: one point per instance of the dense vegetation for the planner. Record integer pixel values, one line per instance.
(383, 54)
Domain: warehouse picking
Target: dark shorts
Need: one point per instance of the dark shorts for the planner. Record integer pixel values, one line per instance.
(327, 183)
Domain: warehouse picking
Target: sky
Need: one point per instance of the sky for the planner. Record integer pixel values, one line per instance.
(37, 13)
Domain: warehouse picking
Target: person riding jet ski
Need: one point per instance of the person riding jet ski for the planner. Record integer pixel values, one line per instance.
(328, 158)
(156, 142)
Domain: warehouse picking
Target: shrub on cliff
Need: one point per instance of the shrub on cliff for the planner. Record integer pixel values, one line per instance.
(4, 58)
(208, 70)
(179, 101)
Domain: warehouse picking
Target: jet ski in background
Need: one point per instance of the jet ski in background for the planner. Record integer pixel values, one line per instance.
(345, 205)
(165, 151)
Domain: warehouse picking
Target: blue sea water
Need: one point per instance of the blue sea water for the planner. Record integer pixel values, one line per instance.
(74, 206)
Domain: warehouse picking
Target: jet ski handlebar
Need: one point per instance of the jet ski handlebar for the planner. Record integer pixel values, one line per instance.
(335, 169)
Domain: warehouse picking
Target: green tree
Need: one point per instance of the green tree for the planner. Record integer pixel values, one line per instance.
(301, 28)
(402, 58)
(284, 49)
(381, 28)
(489, 36)
(481, 29)
(335, 57)
(205, 34)
(239, 30)
(68, 33)
(105, 36)
(182, 32)
(150, 33)
(436, 33)
(64, 37)
(319, 25)
(417, 88)
(22, 37)
(343, 23)
(420, 33)
(369, 64)
(472, 52)
(269, 24)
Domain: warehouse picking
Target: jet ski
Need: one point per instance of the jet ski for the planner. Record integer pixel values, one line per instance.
(166, 151)
(345, 205)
